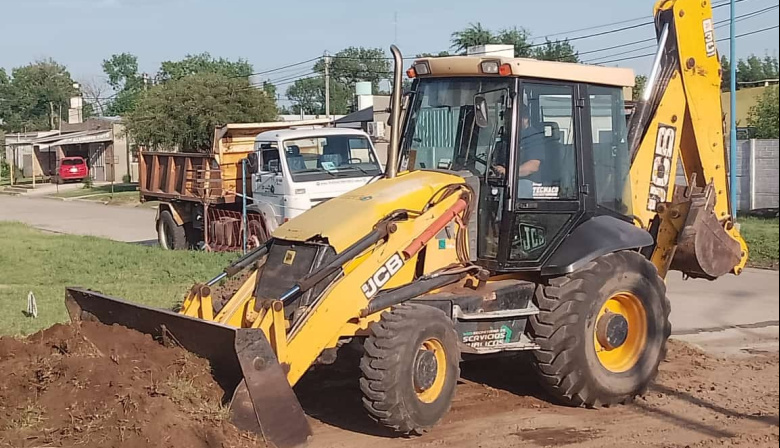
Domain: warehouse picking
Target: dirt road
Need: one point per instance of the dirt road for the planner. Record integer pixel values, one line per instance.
(698, 401)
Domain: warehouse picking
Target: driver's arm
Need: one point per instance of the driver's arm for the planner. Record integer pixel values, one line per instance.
(529, 168)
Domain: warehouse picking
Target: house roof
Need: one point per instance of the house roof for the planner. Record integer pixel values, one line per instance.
(73, 138)
(361, 116)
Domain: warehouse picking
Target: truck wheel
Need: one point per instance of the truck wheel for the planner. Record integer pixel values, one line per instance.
(410, 368)
(602, 331)
(170, 235)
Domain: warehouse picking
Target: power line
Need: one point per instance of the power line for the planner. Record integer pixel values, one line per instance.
(719, 40)
(718, 24)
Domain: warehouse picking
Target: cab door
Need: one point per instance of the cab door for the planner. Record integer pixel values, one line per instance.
(548, 189)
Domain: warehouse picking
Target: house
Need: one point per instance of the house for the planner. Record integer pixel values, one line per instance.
(100, 141)
(372, 117)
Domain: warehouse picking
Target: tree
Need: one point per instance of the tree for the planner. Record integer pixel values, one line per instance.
(308, 94)
(94, 92)
(35, 97)
(473, 35)
(764, 115)
(124, 79)
(639, 85)
(354, 64)
(203, 63)
(752, 69)
(561, 51)
(519, 38)
(725, 69)
(182, 113)
(347, 67)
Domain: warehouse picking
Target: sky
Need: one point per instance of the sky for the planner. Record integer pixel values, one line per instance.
(82, 33)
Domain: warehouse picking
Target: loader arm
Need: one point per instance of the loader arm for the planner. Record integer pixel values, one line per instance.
(679, 118)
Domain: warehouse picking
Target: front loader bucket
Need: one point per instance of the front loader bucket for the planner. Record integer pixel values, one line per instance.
(242, 361)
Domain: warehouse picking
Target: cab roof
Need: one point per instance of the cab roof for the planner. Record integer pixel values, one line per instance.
(288, 134)
(531, 68)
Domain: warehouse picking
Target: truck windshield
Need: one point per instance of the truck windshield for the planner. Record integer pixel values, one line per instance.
(332, 156)
(441, 132)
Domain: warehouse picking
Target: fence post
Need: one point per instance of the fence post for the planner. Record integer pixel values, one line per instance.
(752, 174)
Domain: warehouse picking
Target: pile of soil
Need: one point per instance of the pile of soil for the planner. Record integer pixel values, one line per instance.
(97, 385)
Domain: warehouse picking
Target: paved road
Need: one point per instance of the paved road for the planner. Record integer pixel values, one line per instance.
(130, 224)
(744, 307)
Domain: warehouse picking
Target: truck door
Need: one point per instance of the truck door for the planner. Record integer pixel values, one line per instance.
(269, 180)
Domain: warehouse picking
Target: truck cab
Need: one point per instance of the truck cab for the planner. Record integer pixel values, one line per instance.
(298, 169)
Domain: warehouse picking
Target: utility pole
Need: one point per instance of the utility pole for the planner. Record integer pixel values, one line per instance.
(51, 116)
(327, 85)
(733, 114)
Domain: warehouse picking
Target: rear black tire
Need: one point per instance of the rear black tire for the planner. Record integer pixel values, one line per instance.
(392, 359)
(170, 235)
(567, 363)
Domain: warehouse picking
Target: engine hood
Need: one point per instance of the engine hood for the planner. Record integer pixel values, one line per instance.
(346, 218)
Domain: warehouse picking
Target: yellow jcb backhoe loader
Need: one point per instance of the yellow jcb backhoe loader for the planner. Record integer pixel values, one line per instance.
(519, 211)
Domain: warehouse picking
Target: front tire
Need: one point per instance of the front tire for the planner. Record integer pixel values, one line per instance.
(410, 368)
(170, 235)
(602, 331)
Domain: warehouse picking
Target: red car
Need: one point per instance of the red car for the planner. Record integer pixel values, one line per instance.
(72, 169)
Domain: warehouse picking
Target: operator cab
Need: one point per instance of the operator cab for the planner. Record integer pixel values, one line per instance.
(544, 142)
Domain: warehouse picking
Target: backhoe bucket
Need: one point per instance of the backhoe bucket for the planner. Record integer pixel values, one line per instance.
(704, 247)
(242, 362)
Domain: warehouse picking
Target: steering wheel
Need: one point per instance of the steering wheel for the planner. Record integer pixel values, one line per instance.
(355, 160)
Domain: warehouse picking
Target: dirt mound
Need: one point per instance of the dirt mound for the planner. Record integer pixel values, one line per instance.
(94, 385)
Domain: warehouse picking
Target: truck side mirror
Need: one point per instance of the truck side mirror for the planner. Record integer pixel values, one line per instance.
(252, 163)
(273, 166)
(480, 111)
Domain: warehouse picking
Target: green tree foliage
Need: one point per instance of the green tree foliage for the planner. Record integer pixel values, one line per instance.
(472, 35)
(519, 38)
(725, 70)
(764, 117)
(203, 63)
(124, 79)
(752, 69)
(309, 95)
(347, 67)
(182, 113)
(558, 50)
(639, 85)
(33, 96)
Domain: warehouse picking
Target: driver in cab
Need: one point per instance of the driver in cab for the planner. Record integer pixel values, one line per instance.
(530, 158)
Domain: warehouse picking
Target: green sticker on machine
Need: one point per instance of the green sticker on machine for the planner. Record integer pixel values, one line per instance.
(442, 244)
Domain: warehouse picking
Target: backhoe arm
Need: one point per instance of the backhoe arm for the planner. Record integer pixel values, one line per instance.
(679, 117)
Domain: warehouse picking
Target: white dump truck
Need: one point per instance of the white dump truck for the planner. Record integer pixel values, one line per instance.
(287, 169)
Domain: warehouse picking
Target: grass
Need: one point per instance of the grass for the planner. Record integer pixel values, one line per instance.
(763, 241)
(44, 263)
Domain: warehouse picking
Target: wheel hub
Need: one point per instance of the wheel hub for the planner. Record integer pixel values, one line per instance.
(612, 330)
(425, 370)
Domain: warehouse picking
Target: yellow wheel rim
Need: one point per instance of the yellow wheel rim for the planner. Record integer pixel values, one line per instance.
(620, 353)
(430, 350)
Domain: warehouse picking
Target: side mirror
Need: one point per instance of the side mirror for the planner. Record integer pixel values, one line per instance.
(480, 111)
(273, 166)
(252, 163)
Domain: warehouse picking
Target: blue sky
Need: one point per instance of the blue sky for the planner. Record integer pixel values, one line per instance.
(81, 33)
